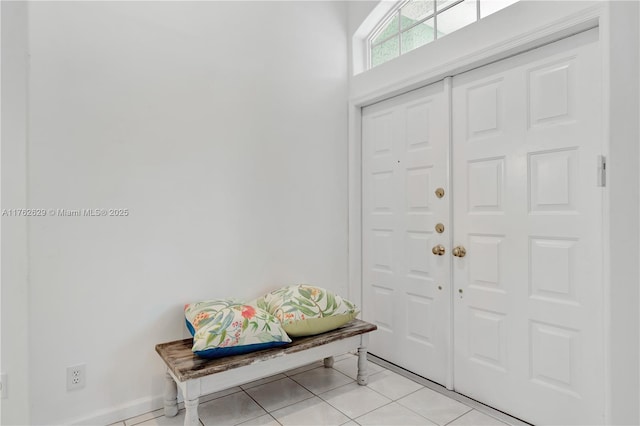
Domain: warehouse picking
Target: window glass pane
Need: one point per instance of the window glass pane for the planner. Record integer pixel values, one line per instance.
(487, 7)
(389, 30)
(415, 23)
(417, 36)
(442, 4)
(385, 51)
(414, 11)
(460, 15)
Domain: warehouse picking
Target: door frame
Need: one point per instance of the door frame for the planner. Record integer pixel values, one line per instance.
(615, 22)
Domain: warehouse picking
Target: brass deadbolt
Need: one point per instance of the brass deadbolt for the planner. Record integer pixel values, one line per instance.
(438, 250)
(439, 228)
(440, 192)
(459, 251)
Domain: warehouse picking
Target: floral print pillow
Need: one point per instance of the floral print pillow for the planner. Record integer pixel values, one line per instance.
(201, 313)
(305, 310)
(229, 327)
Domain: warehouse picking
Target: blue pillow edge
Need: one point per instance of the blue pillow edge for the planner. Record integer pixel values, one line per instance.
(236, 350)
(190, 327)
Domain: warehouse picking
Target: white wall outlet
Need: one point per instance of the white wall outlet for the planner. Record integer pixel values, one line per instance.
(76, 376)
(4, 386)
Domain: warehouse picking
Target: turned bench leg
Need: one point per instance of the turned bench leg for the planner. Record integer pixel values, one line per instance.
(328, 362)
(363, 374)
(170, 396)
(191, 412)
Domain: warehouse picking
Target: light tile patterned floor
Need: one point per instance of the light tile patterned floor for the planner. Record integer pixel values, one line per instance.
(314, 395)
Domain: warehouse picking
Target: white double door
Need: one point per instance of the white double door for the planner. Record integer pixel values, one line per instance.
(515, 320)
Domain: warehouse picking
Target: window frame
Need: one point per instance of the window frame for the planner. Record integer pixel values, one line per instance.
(396, 10)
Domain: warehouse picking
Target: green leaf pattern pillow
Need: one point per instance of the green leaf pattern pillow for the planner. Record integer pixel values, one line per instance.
(305, 310)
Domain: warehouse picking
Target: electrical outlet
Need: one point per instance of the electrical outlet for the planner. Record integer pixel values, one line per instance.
(4, 386)
(76, 376)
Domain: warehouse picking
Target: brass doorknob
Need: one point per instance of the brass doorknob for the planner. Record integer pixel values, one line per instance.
(459, 251)
(438, 250)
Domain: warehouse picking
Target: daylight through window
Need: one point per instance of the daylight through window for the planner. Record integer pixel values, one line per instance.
(414, 23)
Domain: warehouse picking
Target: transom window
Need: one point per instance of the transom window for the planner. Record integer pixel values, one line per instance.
(414, 23)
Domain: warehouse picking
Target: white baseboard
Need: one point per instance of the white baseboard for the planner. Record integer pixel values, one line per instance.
(139, 407)
(122, 412)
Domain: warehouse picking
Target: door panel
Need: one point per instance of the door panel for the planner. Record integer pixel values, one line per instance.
(528, 311)
(406, 288)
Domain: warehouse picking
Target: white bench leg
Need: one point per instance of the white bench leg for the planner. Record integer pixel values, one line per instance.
(191, 412)
(170, 396)
(363, 374)
(328, 362)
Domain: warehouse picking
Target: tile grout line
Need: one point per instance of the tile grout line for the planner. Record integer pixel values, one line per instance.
(268, 414)
(425, 417)
(265, 410)
(391, 401)
(274, 419)
(124, 422)
(313, 394)
(403, 396)
(328, 390)
(461, 415)
(473, 404)
(371, 411)
(263, 381)
(333, 406)
(316, 395)
(254, 400)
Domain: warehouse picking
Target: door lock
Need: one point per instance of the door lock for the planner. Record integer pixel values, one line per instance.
(459, 251)
(439, 228)
(438, 250)
(440, 192)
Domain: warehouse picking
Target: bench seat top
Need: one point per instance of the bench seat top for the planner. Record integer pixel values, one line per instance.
(185, 365)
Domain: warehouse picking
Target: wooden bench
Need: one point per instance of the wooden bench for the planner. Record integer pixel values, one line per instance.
(196, 376)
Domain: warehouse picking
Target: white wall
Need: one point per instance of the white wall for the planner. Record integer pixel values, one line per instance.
(222, 128)
(15, 291)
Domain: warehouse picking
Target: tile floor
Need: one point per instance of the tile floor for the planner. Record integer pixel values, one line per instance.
(314, 395)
